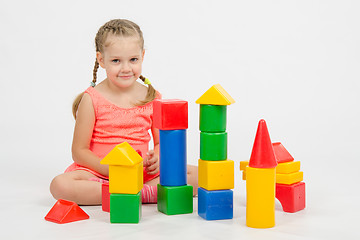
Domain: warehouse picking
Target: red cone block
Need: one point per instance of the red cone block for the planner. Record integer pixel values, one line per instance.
(262, 155)
(65, 211)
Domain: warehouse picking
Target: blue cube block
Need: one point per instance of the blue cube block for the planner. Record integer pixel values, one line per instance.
(173, 171)
(215, 205)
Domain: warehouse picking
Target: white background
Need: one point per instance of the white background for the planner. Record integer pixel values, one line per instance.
(293, 63)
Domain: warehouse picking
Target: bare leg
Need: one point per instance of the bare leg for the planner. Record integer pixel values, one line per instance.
(75, 186)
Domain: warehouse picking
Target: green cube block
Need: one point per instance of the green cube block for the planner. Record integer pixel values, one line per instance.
(125, 208)
(213, 146)
(212, 118)
(175, 200)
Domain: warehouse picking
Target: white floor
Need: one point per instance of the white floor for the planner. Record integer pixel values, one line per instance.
(332, 213)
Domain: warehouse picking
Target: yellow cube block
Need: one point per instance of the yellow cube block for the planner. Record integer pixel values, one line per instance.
(126, 179)
(216, 175)
(288, 167)
(243, 165)
(289, 178)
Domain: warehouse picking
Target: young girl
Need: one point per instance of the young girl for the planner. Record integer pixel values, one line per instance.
(116, 110)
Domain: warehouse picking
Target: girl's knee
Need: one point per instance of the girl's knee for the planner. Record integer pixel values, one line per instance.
(59, 187)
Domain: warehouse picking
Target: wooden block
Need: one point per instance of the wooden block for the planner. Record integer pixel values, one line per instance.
(216, 175)
(289, 178)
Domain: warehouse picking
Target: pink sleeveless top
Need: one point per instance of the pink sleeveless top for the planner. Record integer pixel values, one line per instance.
(114, 125)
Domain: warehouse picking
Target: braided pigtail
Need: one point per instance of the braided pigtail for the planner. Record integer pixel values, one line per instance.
(151, 92)
(77, 100)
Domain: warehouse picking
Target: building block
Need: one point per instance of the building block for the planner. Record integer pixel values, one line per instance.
(262, 155)
(260, 197)
(105, 197)
(122, 155)
(173, 169)
(216, 95)
(125, 208)
(216, 175)
(244, 175)
(65, 211)
(291, 197)
(213, 146)
(128, 180)
(175, 200)
(281, 154)
(170, 114)
(215, 205)
(288, 167)
(289, 178)
(125, 169)
(243, 165)
(212, 118)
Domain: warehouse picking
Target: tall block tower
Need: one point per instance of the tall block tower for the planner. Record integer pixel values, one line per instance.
(216, 172)
(125, 183)
(174, 195)
(260, 181)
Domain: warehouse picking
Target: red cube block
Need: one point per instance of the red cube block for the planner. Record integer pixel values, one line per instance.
(170, 114)
(291, 197)
(105, 197)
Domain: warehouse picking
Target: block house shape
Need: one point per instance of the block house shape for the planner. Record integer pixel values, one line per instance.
(174, 195)
(216, 172)
(65, 211)
(216, 175)
(170, 114)
(125, 169)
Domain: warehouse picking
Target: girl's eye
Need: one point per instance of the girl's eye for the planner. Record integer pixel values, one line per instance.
(115, 60)
(133, 59)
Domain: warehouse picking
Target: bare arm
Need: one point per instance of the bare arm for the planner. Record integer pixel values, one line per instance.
(84, 126)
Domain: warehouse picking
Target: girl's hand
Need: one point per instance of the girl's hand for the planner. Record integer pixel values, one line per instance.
(151, 162)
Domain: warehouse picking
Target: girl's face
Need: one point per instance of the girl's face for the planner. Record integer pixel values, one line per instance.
(122, 59)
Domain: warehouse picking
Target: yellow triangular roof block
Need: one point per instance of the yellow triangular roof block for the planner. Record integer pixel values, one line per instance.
(216, 95)
(122, 155)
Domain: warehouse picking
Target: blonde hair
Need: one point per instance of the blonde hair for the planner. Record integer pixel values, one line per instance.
(121, 28)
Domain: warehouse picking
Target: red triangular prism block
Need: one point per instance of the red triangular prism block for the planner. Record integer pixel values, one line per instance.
(262, 155)
(65, 211)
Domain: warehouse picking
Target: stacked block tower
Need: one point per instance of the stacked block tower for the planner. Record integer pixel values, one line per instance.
(290, 190)
(175, 196)
(125, 183)
(260, 183)
(216, 172)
